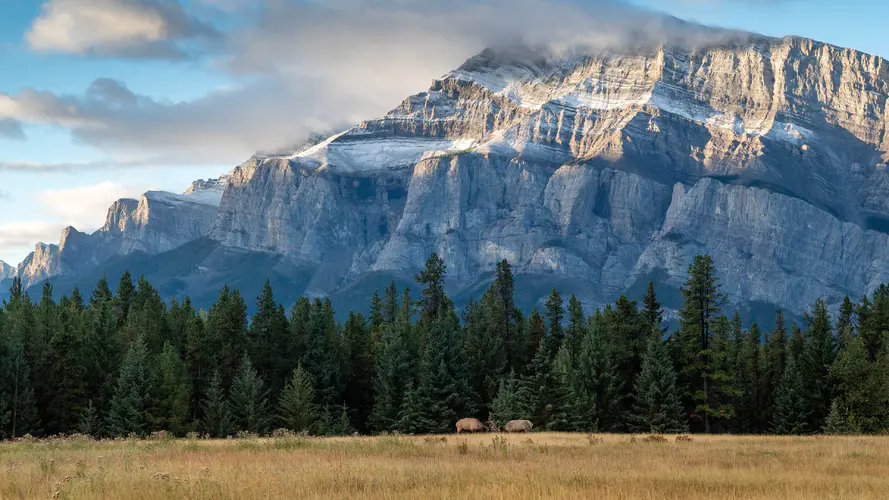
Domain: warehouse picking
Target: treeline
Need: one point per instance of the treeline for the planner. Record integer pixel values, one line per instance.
(126, 363)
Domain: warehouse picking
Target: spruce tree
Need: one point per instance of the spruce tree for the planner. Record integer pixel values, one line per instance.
(269, 340)
(862, 394)
(227, 331)
(565, 414)
(248, 400)
(360, 373)
(433, 298)
(657, 405)
(411, 417)
(342, 426)
(556, 335)
(128, 409)
(703, 301)
(791, 409)
(171, 392)
(217, 421)
(394, 373)
(484, 349)
(597, 383)
(296, 407)
(818, 356)
(320, 359)
(443, 391)
(652, 312)
(16, 393)
(88, 421)
(511, 402)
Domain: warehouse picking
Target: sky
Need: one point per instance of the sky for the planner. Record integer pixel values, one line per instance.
(104, 99)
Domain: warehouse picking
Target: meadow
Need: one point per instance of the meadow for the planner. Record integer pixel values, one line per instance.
(538, 465)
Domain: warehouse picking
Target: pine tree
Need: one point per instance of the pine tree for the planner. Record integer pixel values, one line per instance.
(443, 391)
(565, 414)
(652, 312)
(554, 314)
(360, 372)
(703, 301)
(227, 331)
(217, 421)
(320, 359)
(128, 409)
(657, 405)
(16, 392)
(484, 349)
(597, 382)
(123, 299)
(342, 426)
(296, 407)
(88, 422)
(394, 373)
(791, 411)
(511, 402)
(433, 298)
(269, 340)
(248, 400)
(576, 330)
(818, 356)
(411, 418)
(862, 394)
(171, 392)
(775, 355)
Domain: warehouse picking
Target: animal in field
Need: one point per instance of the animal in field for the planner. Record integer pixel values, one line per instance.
(470, 425)
(518, 426)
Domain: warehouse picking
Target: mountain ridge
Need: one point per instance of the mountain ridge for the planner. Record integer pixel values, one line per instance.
(595, 167)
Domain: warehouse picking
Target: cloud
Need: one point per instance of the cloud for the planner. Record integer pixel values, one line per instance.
(117, 28)
(18, 238)
(84, 207)
(11, 129)
(299, 67)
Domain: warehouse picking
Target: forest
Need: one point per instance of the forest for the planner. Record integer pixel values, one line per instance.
(125, 363)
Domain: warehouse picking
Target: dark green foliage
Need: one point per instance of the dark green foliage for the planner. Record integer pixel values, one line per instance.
(657, 406)
(791, 410)
(248, 400)
(270, 341)
(511, 402)
(126, 362)
(217, 421)
(128, 411)
(296, 407)
(171, 392)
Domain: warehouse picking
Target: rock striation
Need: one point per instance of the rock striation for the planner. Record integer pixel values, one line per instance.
(589, 171)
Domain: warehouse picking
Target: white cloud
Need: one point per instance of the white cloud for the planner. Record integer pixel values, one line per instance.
(125, 28)
(298, 67)
(18, 238)
(84, 207)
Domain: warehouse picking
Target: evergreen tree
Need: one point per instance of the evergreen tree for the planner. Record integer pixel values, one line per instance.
(597, 382)
(511, 402)
(484, 349)
(862, 400)
(320, 359)
(248, 400)
(433, 298)
(703, 301)
(128, 409)
(565, 414)
(227, 331)
(394, 373)
(657, 405)
(652, 312)
(342, 426)
(17, 401)
(411, 418)
(360, 371)
(88, 422)
(296, 407)
(123, 299)
(218, 420)
(443, 391)
(775, 355)
(791, 410)
(171, 390)
(818, 356)
(269, 340)
(556, 337)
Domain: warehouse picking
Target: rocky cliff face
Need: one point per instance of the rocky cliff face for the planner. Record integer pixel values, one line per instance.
(591, 172)
(6, 271)
(156, 223)
(603, 169)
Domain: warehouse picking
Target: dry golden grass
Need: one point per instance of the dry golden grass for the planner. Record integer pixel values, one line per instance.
(540, 465)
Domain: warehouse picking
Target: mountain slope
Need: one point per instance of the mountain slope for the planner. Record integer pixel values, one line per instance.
(589, 172)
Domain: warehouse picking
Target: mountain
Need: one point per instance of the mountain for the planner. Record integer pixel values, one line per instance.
(155, 223)
(589, 172)
(6, 271)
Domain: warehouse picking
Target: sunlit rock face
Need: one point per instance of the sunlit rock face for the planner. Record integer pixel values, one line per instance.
(768, 154)
(590, 172)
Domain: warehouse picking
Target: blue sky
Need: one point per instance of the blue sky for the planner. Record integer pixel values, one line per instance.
(101, 99)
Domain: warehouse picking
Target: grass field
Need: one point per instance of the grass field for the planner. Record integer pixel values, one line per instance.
(539, 465)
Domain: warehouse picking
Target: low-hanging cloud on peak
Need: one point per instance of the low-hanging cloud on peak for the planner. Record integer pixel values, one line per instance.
(298, 66)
